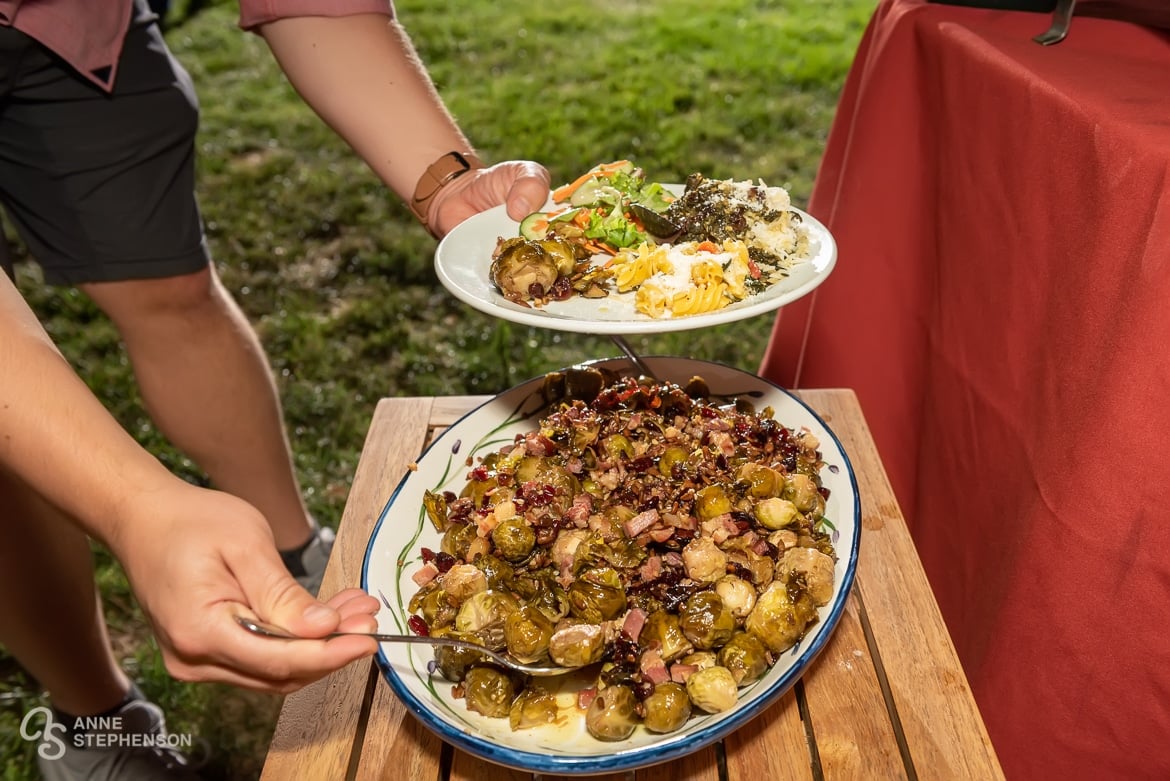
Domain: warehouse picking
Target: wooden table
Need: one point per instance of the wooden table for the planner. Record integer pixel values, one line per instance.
(886, 698)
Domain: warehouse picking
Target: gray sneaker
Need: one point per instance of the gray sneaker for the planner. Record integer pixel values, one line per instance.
(307, 564)
(130, 744)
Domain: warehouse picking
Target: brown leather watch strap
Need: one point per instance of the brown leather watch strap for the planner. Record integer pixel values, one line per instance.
(438, 175)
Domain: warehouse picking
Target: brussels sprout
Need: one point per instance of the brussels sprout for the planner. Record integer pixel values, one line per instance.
(700, 659)
(745, 656)
(612, 715)
(737, 594)
(762, 481)
(548, 471)
(528, 467)
(498, 572)
(712, 690)
(488, 691)
(705, 621)
(776, 513)
(711, 501)
(499, 496)
(564, 547)
(457, 538)
(617, 447)
(436, 609)
(803, 492)
(597, 595)
(522, 269)
(539, 589)
(778, 620)
(663, 628)
(667, 708)
(593, 488)
(527, 632)
(704, 561)
(697, 388)
(436, 507)
(577, 645)
(453, 663)
(478, 491)
(416, 602)
(532, 708)
(561, 253)
(671, 457)
(625, 553)
(616, 515)
(760, 566)
(816, 569)
(483, 616)
(783, 539)
(463, 581)
(514, 539)
(593, 551)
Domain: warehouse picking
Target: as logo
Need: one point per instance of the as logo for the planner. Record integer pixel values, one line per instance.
(53, 746)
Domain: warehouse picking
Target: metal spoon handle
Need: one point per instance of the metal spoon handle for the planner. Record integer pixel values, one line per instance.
(635, 359)
(265, 629)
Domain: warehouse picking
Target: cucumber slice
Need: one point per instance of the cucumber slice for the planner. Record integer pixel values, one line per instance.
(529, 226)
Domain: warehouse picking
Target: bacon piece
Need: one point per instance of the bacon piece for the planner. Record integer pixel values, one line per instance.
(680, 672)
(723, 442)
(661, 535)
(651, 568)
(681, 521)
(635, 620)
(585, 696)
(426, 574)
(537, 444)
(640, 523)
(578, 513)
(652, 667)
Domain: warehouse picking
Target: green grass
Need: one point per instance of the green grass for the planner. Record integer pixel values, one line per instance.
(337, 277)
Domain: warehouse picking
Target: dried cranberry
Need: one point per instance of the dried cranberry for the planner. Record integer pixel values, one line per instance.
(642, 464)
(428, 555)
(445, 561)
(418, 626)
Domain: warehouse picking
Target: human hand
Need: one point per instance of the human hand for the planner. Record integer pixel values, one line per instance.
(522, 184)
(196, 558)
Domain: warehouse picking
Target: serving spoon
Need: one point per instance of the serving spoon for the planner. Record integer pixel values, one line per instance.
(265, 629)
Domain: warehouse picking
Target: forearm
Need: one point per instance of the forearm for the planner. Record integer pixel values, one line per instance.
(363, 77)
(56, 436)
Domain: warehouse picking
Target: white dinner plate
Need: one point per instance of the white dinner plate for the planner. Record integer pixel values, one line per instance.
(403, 529)
(464, 257)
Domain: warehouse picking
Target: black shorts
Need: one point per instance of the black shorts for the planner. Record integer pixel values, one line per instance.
(101, 186)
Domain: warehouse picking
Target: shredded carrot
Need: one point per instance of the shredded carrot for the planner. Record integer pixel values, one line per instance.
(598, 248)
(603, 170)
(707, 246)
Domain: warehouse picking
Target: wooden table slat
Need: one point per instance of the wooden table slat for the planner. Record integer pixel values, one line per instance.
(945, 733)
(314, 735)
(772, 745)
(844, 700)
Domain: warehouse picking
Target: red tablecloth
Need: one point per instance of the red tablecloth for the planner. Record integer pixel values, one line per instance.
(1001, 305)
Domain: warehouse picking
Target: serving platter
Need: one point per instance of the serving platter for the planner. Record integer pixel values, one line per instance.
(403, 529)
(463, 259)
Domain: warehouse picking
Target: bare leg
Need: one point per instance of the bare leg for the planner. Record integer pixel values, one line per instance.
(206, 382)
(50, 613)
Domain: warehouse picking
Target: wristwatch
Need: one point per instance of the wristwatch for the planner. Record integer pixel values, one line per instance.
(438, 175)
